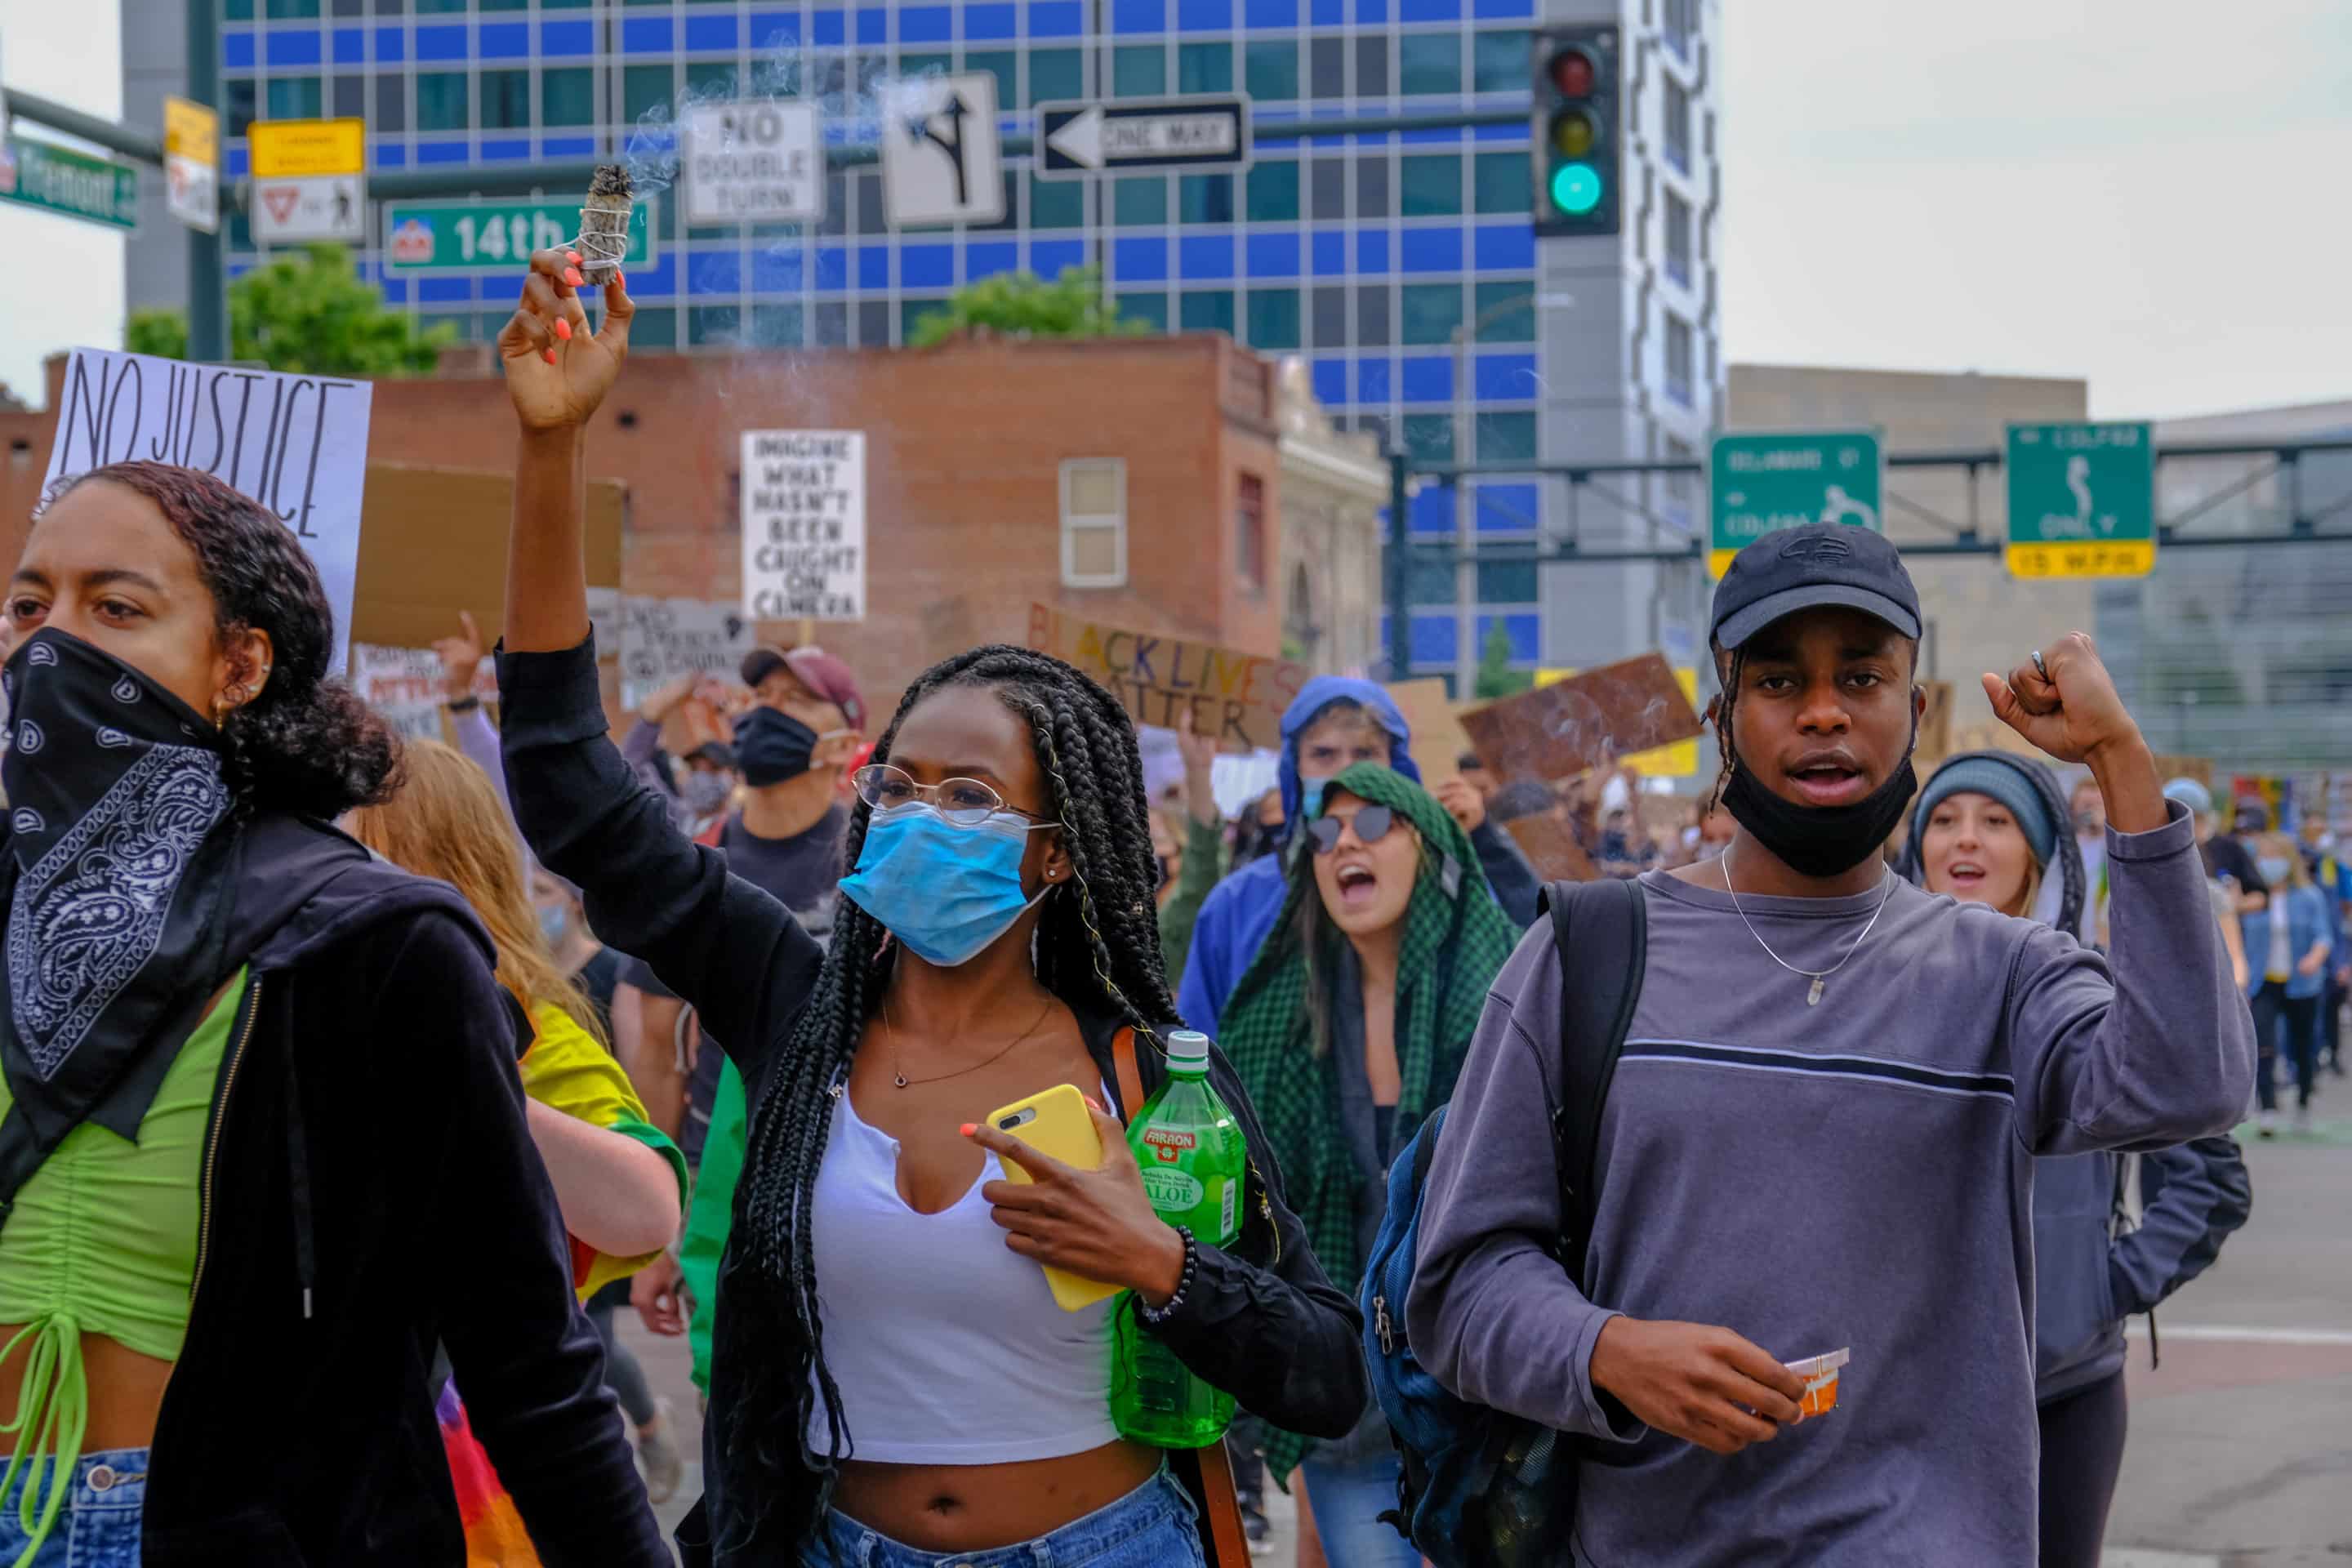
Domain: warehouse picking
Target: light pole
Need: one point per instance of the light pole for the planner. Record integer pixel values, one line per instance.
(1466, 653)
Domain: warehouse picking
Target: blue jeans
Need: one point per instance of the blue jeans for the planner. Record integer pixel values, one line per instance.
(1349, 1500)
(99, 1525)
(1151, 1527)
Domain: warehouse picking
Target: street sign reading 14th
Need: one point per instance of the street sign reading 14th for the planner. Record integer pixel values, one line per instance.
(1758, 484)
(492, 236)
(2082, 501)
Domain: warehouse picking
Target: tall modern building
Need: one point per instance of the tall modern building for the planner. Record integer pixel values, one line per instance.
(1404, 268)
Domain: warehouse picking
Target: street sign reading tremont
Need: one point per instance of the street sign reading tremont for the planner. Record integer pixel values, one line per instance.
(2082, 501)
(1757, 484)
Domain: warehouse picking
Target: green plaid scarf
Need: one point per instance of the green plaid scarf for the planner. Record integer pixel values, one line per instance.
(1456, 941)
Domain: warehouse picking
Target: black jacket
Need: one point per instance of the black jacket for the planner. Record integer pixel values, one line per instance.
(369, 1188)
(1261, 1322)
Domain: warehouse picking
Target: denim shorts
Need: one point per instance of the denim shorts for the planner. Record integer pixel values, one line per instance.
(1151, 1527)
(99, 1526)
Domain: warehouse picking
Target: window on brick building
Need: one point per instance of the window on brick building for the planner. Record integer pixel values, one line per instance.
(1249, 532)
(1094, 522)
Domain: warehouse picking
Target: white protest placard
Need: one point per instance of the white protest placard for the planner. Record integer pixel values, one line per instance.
(662, 639)
(759, 161)
(295, 444)
(404, 686)
(805, 525)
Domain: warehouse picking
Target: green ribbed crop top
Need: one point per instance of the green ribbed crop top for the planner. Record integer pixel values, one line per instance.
(103, 1240)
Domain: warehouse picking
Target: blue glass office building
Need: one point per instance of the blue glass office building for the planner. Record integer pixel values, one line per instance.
(1365, 255)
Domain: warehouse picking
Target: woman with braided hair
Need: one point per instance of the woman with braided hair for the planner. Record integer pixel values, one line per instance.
(891, 1381)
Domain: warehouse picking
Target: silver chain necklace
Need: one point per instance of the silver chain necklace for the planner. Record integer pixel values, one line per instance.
(1820, 977)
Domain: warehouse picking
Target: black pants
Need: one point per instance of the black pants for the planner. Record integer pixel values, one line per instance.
(2082, 1453)
(2289, 1022)
(2331, 1023)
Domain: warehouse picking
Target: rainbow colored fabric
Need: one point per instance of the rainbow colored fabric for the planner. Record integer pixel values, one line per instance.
(565, 1069)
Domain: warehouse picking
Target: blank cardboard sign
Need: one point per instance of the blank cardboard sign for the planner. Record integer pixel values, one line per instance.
(1438, 738)
(1559, 731)
(1552, 848)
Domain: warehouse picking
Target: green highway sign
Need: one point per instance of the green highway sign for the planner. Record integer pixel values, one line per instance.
(1757, 484)
(2082, 501)
(492, 236)
(61, 180)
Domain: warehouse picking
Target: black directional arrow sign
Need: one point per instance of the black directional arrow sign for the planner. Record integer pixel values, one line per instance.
(1080, 138)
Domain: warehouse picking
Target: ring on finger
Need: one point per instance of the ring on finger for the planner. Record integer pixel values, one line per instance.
(2040, 669)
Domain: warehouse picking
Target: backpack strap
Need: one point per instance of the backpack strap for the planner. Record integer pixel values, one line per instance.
(1601, 933)
(1204, 1473)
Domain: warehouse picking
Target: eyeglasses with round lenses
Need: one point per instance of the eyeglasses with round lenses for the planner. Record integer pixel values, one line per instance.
(1372, 824)
(964, 801)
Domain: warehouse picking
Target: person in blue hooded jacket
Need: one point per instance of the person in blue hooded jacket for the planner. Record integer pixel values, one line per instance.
(1334, 723)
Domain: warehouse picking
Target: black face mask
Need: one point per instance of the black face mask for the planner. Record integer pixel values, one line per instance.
(773, 746)
(1822, 840)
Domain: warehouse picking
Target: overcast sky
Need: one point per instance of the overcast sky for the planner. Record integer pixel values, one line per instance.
(2150, 194)
(2155, 195)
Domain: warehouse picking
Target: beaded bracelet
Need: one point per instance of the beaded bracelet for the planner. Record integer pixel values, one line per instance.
(1159, 1317)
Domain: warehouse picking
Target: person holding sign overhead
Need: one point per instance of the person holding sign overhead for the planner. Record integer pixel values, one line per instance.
(262, 1140)
(892, 1378)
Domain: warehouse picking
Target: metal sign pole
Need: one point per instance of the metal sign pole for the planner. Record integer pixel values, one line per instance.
(207, 307)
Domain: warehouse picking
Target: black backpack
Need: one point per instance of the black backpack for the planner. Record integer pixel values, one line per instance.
(1481, 1489)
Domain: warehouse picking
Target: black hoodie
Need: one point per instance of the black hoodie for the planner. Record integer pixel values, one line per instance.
(370, 1187)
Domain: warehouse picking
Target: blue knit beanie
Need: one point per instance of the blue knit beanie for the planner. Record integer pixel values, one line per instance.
(2002, 779)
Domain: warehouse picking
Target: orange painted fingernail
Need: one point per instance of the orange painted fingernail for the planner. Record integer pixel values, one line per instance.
(572, 275)
(572, 257)
(620, 282)
(547, 354)
(967, 1129)
(564, 329)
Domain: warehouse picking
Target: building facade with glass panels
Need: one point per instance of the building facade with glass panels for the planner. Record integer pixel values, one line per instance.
(1367, 256)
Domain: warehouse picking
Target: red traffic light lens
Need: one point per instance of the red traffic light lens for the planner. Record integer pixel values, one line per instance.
(1572, 73)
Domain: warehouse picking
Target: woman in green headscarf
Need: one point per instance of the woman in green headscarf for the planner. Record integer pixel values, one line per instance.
(1349, 1028)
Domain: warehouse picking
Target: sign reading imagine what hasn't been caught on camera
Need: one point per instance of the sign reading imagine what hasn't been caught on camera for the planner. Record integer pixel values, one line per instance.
(805, 525)
(297, 443)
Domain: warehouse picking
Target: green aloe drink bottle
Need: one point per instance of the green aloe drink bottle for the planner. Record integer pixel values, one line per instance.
(1195, 1163)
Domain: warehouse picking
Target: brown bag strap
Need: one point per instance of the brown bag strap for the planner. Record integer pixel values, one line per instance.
(1205, 1473)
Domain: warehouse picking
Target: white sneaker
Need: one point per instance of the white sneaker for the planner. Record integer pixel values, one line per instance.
(2303, 1118)
(658, 1455)
(2267, 1123)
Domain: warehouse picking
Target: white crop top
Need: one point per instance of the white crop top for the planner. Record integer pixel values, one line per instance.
(947, 1346)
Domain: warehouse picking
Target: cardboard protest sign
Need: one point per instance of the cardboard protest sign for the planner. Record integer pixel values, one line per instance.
(1552, 848)
(664, 639)
(403, 685)
(1237, 697)
(1678, 760)
(1438, 738)
(1559, 731)
(436, 543)
(1935, 726)
(295, 444)
(2198, 768)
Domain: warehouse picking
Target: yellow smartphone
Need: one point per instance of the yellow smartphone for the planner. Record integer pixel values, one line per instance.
(1057, 1123)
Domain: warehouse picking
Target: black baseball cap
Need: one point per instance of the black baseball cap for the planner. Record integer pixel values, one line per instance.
(1819, 565)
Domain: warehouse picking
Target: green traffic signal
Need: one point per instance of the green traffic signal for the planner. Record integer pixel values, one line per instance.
(1575, 188)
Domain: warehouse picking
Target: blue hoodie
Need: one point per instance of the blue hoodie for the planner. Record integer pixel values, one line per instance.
(1240, 911)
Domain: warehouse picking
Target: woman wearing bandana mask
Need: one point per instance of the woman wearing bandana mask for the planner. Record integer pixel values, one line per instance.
(317, 1066)
(891, 1383)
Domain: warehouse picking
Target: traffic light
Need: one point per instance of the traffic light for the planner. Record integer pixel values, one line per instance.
(1577, 130)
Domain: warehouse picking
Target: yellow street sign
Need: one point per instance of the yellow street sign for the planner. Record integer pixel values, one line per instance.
(2111, 558)
(1678, 760)
(290, 149)
(192, 132)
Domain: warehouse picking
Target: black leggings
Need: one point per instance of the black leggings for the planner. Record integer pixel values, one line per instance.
(2082, 1453)
(2292, 1022)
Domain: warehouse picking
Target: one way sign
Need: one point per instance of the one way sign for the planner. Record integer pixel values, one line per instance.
(1081, 139)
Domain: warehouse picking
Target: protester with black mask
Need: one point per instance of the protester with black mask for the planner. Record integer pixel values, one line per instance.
(262, 1140)
(1820, 1136)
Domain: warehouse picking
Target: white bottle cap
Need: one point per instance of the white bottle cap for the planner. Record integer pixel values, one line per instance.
(1188, 1049)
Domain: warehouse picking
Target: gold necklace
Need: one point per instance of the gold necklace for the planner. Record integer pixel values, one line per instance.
(898, 1078)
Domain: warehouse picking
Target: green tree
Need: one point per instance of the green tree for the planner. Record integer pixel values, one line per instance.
(310, 314)
(1495, 675)
(1023, 305)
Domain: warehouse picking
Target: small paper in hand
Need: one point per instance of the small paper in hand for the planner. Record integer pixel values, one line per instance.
(1820, 1375)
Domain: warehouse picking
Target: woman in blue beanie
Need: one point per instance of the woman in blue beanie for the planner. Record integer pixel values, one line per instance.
(1987, 830)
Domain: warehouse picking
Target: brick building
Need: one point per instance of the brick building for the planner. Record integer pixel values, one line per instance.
(1132, 481)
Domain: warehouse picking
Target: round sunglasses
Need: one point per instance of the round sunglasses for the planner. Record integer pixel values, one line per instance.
(1372, 824)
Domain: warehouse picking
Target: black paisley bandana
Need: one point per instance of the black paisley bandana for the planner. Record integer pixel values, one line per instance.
(117, 880)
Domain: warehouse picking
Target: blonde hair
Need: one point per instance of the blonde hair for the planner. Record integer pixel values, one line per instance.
(447, 821)
(2298, 874)
(2031, 894)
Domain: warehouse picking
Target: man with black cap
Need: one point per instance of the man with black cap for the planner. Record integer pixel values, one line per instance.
(1820, 1135)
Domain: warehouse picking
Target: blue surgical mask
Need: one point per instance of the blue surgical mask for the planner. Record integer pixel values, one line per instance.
(945, 891)
(1310, 798)
(705, 793)
(554, 920)
(2275, 870)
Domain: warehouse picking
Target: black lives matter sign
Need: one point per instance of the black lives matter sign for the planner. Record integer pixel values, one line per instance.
(805, 525)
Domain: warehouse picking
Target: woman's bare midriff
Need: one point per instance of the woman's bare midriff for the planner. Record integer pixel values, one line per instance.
(978, 1507)
(126, 1389)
